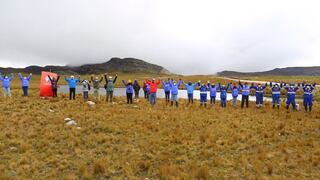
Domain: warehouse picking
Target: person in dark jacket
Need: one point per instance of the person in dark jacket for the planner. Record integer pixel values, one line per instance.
(291, 95)
(136, 88)
(307, 96)
(245, 94)
(259, 94)
(146, 90)
(223, 94)
(25, 83)
(129, 90)
(276, 88)
(54, 85)
(109, 86)
(203, 93)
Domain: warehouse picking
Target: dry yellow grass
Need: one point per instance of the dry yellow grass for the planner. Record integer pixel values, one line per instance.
(136, 142)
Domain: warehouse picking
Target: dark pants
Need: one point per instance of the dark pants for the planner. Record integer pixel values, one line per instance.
(167, 96)
(85, 95)
(223, 102)
(245, 98)
(72, 93)
(136, 94)
(54, 92)
(109, 96)
(146, 95)
(190, 98)
(25, 90)
(129, 98)
(212, 100)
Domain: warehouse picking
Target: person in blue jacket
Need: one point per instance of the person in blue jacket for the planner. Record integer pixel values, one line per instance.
(174, 88)
(213, 92)
(25, 83)
(307, 96)
(6, 81)
(245, 94)
(190, 88)
(166, 87)
(129, 90)
(203, 94)
(259, 94)
(72, 86)
(235, 93)
(291, 95)
(276, 88)
(223, 94)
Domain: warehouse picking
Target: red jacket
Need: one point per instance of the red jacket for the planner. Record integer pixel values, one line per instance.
(153, 85)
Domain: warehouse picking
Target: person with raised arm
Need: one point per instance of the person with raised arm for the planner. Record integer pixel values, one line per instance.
(174, 88)
(96, 86)
(223, 94)
(85, 89)
(72, 86)
(146, 90)
(166, 88)
(153, 90)
(213, 92)
(109, 87)
(203, 93)
(291, 95)
(25, 83)
(245, 94)
(276, 88)
(235, 93)
(129, 90)
(259, 93)
(54, 85)
(136, 88)
(308, 96)
(6, 84)
(190, 88)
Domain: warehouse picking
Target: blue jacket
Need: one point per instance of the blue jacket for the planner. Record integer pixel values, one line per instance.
(307, 89)
(129, 86)
(291, 91)
(275, 89)
(259, 89)
(190, 88)
(72, 82)
(223, 91)
(245, 89)
(25, 82)
(203, 88)
(235, 90)
(166, 86)
(174, 88)
(6, 81)
(213, 90)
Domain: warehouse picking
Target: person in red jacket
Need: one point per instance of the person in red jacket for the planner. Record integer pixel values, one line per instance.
(153, 90)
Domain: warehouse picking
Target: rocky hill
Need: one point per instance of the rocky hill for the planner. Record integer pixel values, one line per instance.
(126, 65)
(288, 71)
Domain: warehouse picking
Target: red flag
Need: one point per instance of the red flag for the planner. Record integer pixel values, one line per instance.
(45, 84)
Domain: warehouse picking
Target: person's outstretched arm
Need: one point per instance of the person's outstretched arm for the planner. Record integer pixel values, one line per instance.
(58, 79)
(101, 79)
(29, 77)
(105, 78)
(124, 83)
(1, 78)
(20, 76)
(12, 76)
(115, 79)
(163, 83)
(158, 82)
(92, 78)
(179, 83)
(50, 78)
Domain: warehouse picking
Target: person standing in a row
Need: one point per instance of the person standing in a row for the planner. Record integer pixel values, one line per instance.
(153, 90)
(96, 86)
(54, 85)
(109, 86)
(6, 81)
(136, 88)
(25, 83)
(72, 86)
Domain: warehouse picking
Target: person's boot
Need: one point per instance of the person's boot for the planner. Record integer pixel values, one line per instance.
(310, 108)
(177, 104)
(273, 106)
(171, 103)
(278, 106)
(205, 105)
(287, 107)
(305, 109)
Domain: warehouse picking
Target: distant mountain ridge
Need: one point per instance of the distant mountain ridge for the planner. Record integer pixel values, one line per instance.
(125, 65)
(288, 71)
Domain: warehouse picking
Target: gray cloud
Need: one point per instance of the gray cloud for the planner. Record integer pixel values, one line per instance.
(190, 37)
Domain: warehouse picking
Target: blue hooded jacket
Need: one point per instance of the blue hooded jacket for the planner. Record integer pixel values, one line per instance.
(203, 88)
(190, 87)
(291, 91)
(235, 90)
(166, 86)
(259, 89)
(72, 82)
(6, 81)
(129, 87)
(245, 89)
(25, 82)
(223, 91)
(174, 87)
(213, 90)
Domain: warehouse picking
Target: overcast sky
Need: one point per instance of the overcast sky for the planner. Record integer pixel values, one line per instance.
(184, 36)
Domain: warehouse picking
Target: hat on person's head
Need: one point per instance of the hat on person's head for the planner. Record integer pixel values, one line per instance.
(129, 81)
(110, 77)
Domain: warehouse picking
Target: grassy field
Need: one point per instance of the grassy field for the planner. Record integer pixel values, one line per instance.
(136, 142)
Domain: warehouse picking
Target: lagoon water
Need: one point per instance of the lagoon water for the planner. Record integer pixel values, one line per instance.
(160, 93)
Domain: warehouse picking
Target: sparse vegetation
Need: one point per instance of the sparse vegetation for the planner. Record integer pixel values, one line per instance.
(162, 142)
